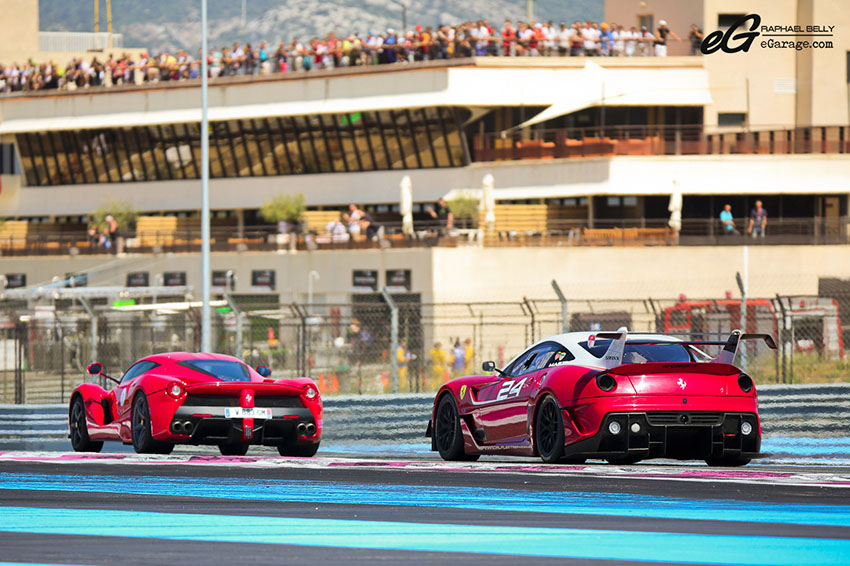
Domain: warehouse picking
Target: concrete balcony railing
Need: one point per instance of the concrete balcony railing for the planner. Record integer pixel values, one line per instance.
(611, 141)
(74, 42)
(532, 230)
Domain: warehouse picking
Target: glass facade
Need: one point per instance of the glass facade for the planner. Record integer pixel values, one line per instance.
(411, 138)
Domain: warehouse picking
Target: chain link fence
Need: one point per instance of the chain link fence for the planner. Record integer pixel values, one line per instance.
(382, 344)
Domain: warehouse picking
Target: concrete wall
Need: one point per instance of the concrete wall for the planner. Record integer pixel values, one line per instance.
(492, 274)
(727, 174)
(18, 30)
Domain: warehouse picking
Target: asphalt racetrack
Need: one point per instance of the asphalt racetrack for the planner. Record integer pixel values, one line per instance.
(195, 507)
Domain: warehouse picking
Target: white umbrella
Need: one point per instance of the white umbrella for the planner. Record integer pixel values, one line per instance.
(406, 206)
(675, 208)
(488, 202)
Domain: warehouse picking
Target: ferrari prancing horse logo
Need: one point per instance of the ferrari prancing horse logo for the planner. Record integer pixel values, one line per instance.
(462, 391)
(681, 383)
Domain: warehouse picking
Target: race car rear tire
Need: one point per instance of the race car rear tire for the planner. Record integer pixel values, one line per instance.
(303, 450)
(79, 431)
(447, 432)
(728, 461)
(140, 422)
(549, 431)
(233, 448)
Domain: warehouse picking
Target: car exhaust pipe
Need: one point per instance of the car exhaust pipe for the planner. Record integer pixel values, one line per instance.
(311, 429)
(188, 427)
(301, 429)
(177, 427)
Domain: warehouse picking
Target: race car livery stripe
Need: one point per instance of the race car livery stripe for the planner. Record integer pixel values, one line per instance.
(518, 541)
(496, 499)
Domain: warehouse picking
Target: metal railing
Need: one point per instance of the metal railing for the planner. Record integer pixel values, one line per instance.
(518, 230)
(349, 348)
(655, 140)
(52, 41)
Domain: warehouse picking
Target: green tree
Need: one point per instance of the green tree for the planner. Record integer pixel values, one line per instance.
(123, 212)
(287, 208)
(465, 210)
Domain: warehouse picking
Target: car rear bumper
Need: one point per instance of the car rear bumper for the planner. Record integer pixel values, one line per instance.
(207, 425)
(683, 435)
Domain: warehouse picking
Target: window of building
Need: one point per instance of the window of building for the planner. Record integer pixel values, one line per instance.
(731, 118)
(329, 143)
(9, 160)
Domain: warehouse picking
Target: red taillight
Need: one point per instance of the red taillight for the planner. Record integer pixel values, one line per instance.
(311, 393)
(174, 390)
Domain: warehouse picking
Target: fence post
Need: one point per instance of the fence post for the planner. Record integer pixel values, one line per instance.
(742, 286)
(20, 359)
(530, 314)
(232, 304)
(301, 357)
(92, 329)
(565, 322)
(393, 336)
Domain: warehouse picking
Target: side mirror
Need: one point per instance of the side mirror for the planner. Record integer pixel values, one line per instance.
(488, 366)
(264, 371)
(95, 368)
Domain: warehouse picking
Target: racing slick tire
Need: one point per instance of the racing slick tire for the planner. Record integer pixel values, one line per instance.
(78, 429)
(140, 421)
(728, 461)
(549, 431)
(304, 450)
(447, 432)
(233, 448)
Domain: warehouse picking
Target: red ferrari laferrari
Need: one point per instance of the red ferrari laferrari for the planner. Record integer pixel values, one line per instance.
(607, 396)
(184, 398)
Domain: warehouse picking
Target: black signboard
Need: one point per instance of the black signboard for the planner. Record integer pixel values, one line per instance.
(138, 279)
(364, 280)
(263, 278)
(16, 280)
(174, 278)
(398, 280)
(219, 279)
(76, 280)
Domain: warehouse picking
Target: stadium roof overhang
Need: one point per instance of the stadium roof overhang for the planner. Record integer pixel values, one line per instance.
(561, 90)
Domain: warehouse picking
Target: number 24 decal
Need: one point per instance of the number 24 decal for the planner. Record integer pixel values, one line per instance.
(510, 389)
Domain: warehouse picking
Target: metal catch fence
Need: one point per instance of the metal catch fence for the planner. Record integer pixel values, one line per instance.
(382, 343)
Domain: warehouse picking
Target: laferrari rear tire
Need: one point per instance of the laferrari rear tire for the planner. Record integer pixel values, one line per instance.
(78, 429)
(303, 450)
(728, 461)
(447, 432)
(549, 431)
(233, 448)
(140, 422)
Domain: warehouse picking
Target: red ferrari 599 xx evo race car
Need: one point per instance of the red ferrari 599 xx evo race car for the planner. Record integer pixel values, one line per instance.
(184, 398)
(608, 395)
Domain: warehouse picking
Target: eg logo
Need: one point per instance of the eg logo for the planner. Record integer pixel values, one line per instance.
(717, 40)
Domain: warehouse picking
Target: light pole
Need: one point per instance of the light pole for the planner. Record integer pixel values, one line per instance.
(403, 16)
(206, 339)
(313, 275)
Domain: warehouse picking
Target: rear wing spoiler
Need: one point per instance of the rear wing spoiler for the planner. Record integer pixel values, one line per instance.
(614, 355)
(727, 354)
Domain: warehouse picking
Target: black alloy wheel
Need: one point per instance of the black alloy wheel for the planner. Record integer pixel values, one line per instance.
(140, 421)
(549, 431)
(78, 429)
(447, 432)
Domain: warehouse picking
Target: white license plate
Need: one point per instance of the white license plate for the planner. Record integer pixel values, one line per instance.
(247, 413)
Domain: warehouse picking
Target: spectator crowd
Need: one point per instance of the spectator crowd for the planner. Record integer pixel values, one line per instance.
(480, 39)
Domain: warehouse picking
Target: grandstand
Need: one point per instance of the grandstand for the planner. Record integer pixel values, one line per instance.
(585, 155)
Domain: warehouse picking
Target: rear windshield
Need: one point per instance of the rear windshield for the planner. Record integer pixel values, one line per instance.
(638, 354)
(225, 370)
